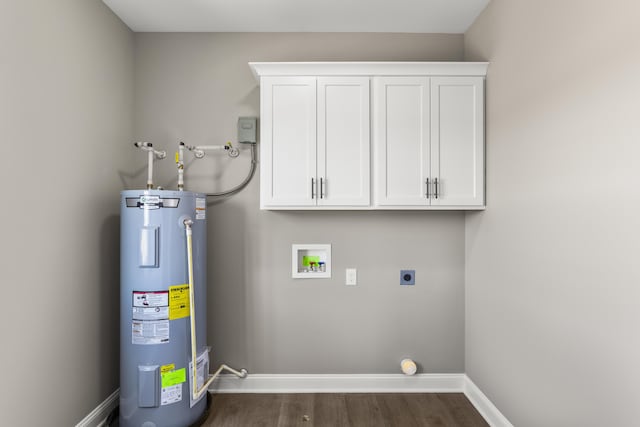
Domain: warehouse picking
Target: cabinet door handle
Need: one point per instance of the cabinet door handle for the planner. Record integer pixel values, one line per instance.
(435, 183)
(321, 188)
(313, 189)
(427, 192)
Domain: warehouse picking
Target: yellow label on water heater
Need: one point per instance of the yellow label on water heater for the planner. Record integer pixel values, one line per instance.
(178, 302)
(171, 378)
(167, 368)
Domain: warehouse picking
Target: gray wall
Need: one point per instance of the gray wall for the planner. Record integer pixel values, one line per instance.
(552, 267)
(192, 87)
(66, 107)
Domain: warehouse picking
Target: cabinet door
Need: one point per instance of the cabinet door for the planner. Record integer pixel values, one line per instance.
(343, 141)
(288, 141)
(401, 140)
(457, 141)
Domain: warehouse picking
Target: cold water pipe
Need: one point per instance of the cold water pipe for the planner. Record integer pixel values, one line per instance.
(199, 150)
(151, 153)
(150, 169)
(196, 393)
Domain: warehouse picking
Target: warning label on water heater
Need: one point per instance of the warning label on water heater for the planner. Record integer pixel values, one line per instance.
(150, 299)
(201, 208)
(148, 332)
(178, 301)
(150, 317)
(171, 394)
(171, 380)
(150, 313)
(202, 372)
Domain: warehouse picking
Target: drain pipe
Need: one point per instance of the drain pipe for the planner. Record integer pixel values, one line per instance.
(196, 393)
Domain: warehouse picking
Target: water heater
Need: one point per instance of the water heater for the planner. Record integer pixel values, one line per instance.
(157, 250)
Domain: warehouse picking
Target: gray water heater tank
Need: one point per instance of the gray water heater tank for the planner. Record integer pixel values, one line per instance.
(155, 334)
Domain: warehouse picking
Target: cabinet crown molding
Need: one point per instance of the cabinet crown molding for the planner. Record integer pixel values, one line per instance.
(389, 68)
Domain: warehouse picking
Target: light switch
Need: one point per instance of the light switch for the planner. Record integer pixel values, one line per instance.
(351, 276)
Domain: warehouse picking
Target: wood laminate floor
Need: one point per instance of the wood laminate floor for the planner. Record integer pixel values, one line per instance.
(343, 410)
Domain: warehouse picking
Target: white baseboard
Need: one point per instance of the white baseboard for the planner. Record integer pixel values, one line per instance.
(487, 409)
(387, 383)
(381, 383)
(99, 415)
(361, 383)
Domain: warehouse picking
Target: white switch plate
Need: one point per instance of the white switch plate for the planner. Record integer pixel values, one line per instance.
(351, 276)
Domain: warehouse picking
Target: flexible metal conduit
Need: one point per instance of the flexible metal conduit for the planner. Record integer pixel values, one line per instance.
(192, 317)
(244, 183)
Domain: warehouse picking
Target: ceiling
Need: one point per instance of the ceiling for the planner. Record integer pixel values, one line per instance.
(386, 16)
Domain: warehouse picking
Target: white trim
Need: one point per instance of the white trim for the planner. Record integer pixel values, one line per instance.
(390, 68)
(361, 383)
(97, 417)
(365, 383)
(374, 208)
(487, 409)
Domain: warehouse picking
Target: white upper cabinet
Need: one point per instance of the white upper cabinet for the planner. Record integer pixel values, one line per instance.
(288, 141)
(401, 138)
(457, 141)
(343, 141)
(314, 142)
(426, 149)
(429, 142)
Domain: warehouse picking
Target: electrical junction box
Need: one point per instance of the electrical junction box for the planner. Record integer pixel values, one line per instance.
(247, 130)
